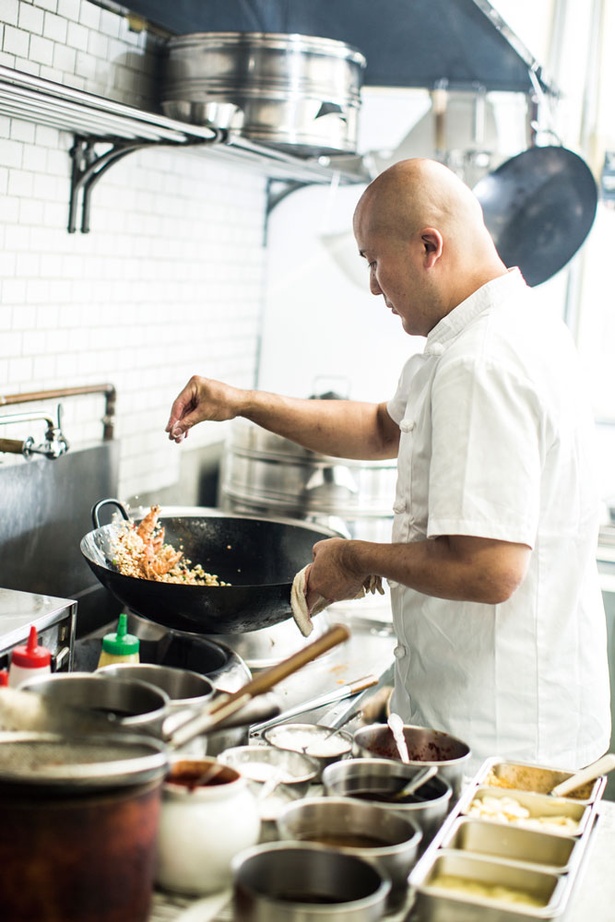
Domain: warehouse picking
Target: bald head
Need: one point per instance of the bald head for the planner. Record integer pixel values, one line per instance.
(421, 215)
(419, 193)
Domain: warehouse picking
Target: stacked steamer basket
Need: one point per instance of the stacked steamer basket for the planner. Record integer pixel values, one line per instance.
(508, 850)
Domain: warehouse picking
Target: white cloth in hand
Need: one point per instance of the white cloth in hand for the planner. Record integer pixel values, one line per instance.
(298, 602)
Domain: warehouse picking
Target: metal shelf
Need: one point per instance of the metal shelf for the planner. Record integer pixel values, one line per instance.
(96, 121)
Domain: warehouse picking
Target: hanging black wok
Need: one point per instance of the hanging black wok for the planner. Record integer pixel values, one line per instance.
(539, 207)
(259, 557)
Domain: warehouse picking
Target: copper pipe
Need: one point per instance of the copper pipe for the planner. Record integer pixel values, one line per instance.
(12, 446)
(108, 390)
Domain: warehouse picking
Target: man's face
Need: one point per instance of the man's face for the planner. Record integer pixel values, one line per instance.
(396, 273)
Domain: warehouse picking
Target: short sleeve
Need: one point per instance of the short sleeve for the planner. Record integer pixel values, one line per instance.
(486, 453)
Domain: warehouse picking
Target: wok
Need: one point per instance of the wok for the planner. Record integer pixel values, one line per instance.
(539, 207)
(259, 557)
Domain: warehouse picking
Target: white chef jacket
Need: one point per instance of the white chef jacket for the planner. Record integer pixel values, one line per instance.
(495, 441)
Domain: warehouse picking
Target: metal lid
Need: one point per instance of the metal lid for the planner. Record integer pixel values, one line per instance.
(70, 763)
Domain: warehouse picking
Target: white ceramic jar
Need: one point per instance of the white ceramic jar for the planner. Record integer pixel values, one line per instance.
(208, 814)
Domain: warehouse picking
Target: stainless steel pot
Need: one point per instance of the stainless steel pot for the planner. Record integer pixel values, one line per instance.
(79, 827)
(295, 92)
(135, 704)
(306, 882)
(263, 473)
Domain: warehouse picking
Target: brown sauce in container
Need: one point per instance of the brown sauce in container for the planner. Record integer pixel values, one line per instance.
(347, 840)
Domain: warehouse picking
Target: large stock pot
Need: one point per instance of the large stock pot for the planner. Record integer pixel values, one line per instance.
(263, 473)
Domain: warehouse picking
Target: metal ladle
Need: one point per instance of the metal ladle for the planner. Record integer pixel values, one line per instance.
(397, 728)
(416, 782)
(421, 778)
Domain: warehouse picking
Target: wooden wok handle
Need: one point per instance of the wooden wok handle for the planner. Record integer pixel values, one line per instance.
(266, 680)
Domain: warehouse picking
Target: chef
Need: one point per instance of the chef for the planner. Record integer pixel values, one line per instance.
(496, 603)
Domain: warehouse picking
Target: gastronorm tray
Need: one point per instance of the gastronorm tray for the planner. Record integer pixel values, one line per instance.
(544, 810)
(525, 776)
(493, 884)
(502, 853)
(544, 851)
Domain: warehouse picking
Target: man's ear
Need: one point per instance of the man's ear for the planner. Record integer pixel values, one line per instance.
(433, 245)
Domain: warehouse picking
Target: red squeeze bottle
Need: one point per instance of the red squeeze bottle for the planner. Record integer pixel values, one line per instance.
(28, 660)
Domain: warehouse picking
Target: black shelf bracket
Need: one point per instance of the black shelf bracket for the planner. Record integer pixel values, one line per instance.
(88, 166)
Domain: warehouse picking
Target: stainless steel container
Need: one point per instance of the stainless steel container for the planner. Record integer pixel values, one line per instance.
(551, 814)
(295, 92)
(185, 688)
(276, 777)
(468, 888)
(525, 776)
(264, 473)
(136, 705)
(543, 850)
(322, 744)
(425, 747)
(379, 780)
(480, 868)
(370, 831)
(304, 882)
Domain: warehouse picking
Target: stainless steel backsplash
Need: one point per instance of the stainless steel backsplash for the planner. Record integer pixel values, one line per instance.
(45, 510)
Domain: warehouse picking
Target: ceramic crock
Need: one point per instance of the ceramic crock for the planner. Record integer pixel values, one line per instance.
(208, 815)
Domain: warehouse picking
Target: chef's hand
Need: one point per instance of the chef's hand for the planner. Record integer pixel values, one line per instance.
(202, 399)
(333, 574)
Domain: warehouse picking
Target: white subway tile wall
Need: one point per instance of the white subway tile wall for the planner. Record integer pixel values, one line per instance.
(169, 281)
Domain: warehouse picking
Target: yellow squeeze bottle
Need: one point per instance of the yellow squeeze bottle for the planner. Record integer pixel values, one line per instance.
(119, 646)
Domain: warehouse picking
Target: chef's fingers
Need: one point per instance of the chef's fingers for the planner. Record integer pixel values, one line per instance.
(376, 708)
(183, 413)
(176, 432)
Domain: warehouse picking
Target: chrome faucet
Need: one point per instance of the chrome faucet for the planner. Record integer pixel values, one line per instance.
(53, 445)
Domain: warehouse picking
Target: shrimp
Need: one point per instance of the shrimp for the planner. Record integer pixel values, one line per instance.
(140, 551)
(156, 562)
(147, 526)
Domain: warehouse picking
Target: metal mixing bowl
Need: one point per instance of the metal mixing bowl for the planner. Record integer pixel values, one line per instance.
(186, 689)
(370, 831)
(136, 705)
(425, 747)
(379, 780)
(297, 882)
(324, 745)
(290, 772)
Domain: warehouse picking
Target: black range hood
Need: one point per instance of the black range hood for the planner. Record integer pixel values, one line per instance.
(462, 44)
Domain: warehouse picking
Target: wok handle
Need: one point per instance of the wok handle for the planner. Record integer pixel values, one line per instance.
(107, 502)
(265, 681)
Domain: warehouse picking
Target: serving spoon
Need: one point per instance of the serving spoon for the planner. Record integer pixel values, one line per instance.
(397, 728)
(603, 765)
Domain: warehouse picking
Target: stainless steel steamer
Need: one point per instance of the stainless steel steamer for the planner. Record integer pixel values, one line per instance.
(294, 92)
(265, 474)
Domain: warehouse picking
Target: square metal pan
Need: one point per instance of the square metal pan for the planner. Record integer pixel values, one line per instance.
(554, 854)
(438, 904)
(538, 805)
(525, 776)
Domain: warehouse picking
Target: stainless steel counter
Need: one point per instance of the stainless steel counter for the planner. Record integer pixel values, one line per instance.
(370, 649)
(593, 898)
